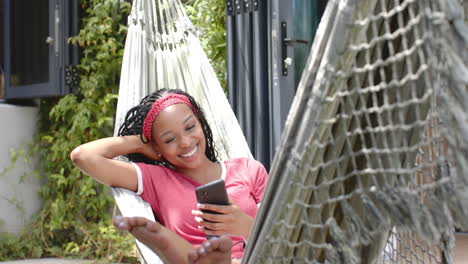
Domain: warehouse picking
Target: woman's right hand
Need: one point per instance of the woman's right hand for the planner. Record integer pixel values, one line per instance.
(148, 150)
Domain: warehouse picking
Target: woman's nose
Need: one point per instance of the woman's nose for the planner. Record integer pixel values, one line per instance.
(185, 142)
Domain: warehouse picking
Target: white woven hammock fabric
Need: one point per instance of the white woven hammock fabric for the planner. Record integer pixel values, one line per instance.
(161, 51)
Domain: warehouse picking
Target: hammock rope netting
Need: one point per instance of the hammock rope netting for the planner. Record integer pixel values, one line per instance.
(373, 162)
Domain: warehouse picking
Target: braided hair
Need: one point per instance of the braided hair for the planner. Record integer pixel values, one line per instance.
(133, 125)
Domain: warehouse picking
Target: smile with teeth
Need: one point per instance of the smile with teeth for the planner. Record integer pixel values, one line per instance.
(189, 154)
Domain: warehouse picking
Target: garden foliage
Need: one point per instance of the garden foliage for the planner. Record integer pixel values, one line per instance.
(75, 220)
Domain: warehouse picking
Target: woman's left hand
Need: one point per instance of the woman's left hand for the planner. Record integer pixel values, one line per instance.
(231, 220)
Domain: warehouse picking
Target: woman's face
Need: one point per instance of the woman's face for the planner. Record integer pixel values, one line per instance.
(179, 137)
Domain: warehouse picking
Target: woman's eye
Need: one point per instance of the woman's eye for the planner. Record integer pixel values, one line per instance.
(169, 140)
(190, 127)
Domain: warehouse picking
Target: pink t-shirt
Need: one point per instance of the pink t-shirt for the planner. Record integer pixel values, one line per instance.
(172, 195)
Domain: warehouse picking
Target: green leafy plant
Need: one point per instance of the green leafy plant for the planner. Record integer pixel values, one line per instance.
(75, 220)
(209, 18)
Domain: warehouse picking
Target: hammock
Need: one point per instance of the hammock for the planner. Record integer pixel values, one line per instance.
(372, 166)
(161, 51)
(367, 168)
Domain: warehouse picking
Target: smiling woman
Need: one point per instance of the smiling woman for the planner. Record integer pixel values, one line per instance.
(170, 145)
(180, 139)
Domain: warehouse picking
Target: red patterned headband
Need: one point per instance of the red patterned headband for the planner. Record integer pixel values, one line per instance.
(160, 105)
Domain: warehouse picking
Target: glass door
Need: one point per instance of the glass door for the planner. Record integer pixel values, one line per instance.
(292, 30)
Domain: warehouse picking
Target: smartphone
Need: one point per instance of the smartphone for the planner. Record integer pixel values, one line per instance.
(212, 193)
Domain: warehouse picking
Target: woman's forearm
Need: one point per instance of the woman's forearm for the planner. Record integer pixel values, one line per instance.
(96, 160)
(111, 147)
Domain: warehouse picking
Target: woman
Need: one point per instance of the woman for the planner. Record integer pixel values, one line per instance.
(169, 143)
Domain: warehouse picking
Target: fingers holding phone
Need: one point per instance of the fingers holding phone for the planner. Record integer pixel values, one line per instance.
(213, 218)
(227, 219)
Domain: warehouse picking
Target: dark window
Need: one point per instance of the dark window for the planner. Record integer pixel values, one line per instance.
(35, 50)
(2, 91)
(29, 30)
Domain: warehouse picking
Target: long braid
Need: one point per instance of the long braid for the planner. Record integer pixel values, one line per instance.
(133, 125)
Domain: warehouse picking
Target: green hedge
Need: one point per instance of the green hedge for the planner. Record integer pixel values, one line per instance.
(75, 220)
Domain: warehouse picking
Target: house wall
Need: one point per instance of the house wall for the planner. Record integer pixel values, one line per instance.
(18, 187)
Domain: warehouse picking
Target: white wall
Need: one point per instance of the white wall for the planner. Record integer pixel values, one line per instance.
(18, 187)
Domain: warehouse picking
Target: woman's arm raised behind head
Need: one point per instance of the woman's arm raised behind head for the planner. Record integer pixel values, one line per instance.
(96, 159)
